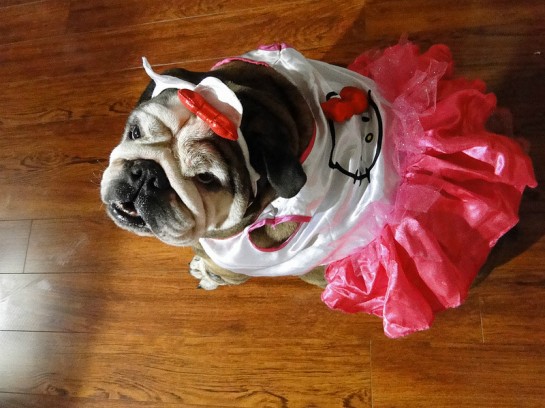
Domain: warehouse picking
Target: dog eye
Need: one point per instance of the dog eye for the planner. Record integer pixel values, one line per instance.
(206, 178)
(134, 133)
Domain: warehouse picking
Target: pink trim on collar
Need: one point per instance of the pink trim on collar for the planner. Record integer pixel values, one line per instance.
(278, 220)
(265, 47)
(231, 59)
(274, 47)
(309, 147)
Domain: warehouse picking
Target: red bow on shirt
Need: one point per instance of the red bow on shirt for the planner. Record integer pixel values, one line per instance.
(352, 101)
(218, 122)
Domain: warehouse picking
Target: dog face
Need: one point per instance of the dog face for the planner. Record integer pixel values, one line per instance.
(172, 177)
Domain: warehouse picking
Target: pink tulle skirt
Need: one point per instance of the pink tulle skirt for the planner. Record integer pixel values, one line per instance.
(460, 191)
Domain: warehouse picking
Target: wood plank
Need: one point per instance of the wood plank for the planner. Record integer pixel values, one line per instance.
(75, 245)
(393, 16)
(29, 21)
(77, 97)
(168, 302)
(239, 372)
(72, 98)
(14, 236)
(125, 13)
(99, 51)
(512, 295)
(54, 170)
(9, 3)
(412, 374)
(514, 314)
(11, 400)
(162, 297)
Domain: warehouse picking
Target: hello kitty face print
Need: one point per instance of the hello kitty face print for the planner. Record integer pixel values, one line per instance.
(364, 120)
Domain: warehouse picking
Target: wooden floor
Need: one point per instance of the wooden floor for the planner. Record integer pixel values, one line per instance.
(91, 316)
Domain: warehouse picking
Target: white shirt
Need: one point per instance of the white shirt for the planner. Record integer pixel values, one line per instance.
(349, 175)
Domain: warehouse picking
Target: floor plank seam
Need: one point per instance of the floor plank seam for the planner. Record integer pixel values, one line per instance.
(481, 301)
(28, 244)
(371, 371)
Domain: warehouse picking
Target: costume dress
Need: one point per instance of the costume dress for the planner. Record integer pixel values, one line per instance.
(403, 202)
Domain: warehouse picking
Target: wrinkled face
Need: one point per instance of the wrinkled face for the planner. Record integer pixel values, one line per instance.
(172, 177)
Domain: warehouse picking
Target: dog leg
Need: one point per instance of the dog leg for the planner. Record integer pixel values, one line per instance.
(315, 277)
(210, 275)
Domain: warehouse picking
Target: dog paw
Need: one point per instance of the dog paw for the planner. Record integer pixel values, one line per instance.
(207, 280)
(196, 266)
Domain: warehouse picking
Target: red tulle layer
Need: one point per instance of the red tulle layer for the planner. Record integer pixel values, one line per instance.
(459, 193)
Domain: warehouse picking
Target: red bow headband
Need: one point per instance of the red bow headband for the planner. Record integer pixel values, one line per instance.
(211, 100)
(218, 122)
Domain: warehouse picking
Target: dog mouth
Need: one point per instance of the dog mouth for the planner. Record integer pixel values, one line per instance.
(136, 198)
(126, 213)
(141, 200)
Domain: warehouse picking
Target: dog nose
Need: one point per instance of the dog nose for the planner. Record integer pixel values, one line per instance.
(147, 175)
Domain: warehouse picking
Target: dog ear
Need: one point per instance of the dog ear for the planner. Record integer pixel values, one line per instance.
(146, 95)
(272, 145)
(284, 172)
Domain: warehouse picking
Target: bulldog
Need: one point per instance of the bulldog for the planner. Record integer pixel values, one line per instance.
(174, 178)
(377, 182)
(245, 164)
